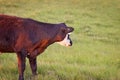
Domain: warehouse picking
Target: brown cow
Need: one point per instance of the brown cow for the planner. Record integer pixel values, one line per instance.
(29, 38)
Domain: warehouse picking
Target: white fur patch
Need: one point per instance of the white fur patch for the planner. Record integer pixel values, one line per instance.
(65, 41)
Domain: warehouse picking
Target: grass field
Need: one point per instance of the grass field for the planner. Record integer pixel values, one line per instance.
(95, 54)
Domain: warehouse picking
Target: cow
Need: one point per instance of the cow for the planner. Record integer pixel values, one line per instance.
(28, 38)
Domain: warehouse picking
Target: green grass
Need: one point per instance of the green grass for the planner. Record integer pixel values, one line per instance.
(95, 54)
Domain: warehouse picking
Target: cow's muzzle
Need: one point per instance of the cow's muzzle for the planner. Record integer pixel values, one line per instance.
(66, 41)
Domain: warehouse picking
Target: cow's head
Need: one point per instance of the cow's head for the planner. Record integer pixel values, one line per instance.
(63, 35)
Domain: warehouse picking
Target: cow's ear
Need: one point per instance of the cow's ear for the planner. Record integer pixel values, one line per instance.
(70, 29)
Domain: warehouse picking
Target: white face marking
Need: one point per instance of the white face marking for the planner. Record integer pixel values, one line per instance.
(65, 41)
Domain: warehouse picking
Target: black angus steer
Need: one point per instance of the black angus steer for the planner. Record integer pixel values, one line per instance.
(29, 38)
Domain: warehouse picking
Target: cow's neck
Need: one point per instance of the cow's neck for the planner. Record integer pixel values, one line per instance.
(39, 47)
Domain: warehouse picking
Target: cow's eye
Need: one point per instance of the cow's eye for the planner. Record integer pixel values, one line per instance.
(63, 30)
